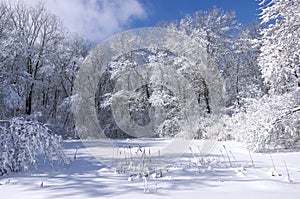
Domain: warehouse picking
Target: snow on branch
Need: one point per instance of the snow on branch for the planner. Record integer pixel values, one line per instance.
(22, 142)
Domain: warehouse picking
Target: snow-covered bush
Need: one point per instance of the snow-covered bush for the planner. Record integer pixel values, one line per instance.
(212, 127)
(22, 142)
(268, 123)
(11, 100)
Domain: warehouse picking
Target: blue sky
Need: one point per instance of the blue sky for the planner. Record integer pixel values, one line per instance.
(99, 19)
(168, 10)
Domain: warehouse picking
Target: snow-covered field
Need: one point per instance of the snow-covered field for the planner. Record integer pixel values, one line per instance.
(189, 176)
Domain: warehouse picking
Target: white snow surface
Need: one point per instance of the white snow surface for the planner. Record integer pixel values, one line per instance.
(189, 176)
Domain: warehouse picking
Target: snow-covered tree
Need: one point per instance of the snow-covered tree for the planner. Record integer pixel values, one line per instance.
(279, 58)
(272, 121)
(55, 93)
(244, 77)
(216, 30)
(144, 99)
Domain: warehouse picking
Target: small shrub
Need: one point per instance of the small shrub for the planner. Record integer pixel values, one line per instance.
(22, 141)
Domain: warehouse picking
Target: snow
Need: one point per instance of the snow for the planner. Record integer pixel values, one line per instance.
(190, 176)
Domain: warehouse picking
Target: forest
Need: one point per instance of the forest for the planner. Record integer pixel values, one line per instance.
(244, 82)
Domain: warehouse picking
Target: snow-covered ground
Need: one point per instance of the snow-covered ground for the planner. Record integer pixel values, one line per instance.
(189, 176)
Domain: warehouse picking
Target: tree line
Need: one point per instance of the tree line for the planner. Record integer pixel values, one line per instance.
(38, 64)
(259, 64)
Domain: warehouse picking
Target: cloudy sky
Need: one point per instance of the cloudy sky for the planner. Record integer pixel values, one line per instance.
(98, 19)
(95, 19)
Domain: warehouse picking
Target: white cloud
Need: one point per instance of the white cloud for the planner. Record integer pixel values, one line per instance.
(95, 19)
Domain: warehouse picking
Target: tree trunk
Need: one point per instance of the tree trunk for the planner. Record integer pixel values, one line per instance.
(28, 108)
(206, 97)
